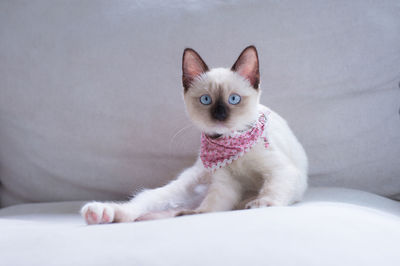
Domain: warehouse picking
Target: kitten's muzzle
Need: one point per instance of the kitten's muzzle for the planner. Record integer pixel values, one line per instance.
(219, 112)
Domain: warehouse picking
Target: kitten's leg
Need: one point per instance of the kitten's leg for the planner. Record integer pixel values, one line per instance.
(284, 183)
(173, 195)
(223, 194)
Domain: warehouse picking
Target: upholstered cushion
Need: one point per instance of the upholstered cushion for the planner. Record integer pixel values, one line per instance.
(333, 227)
(91, 98)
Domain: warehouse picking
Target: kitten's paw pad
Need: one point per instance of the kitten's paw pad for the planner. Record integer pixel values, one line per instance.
(97, 213)
(261, 203)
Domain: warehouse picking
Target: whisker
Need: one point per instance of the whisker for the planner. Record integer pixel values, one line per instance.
(177, 133)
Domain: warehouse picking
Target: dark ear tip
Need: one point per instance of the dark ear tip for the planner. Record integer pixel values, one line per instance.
(190, 50)
(251, 47)
(187, 50)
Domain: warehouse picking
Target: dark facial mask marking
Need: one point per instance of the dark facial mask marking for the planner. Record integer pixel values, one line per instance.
(220, 111)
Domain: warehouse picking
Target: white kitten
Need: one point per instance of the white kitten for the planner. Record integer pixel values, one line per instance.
(249, 156)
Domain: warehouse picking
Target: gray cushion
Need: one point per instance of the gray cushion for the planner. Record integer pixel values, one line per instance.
(91, 100)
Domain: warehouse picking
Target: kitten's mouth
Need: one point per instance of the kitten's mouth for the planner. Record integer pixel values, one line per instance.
(221, 129)
(214, 136)
(218, 130)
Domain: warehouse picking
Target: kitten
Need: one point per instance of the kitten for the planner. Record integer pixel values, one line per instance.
(249, 156)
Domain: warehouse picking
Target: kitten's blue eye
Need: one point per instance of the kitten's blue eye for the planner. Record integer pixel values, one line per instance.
(205, 99)
(234, 99)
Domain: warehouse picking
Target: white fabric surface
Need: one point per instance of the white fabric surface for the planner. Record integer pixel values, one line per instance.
(91, 96)
(332, 226)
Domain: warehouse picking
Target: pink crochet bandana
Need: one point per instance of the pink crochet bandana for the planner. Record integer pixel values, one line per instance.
(219, 152)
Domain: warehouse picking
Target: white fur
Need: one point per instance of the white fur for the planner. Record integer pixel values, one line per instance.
(276, 176)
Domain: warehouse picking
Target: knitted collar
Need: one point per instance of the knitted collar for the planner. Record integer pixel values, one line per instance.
(219, 152)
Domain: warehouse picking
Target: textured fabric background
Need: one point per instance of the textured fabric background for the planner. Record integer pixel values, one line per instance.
(91, 99)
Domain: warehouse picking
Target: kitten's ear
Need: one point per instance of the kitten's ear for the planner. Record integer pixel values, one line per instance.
(192, 66)
(247, 66)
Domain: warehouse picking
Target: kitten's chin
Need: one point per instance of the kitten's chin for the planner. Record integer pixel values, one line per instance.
(215, 130)
(221, 129)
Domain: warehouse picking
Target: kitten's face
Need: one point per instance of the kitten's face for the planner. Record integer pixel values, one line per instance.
(221, 100)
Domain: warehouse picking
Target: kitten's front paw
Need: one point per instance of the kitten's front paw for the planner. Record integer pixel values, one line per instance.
(262, 202)
(97, 213)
